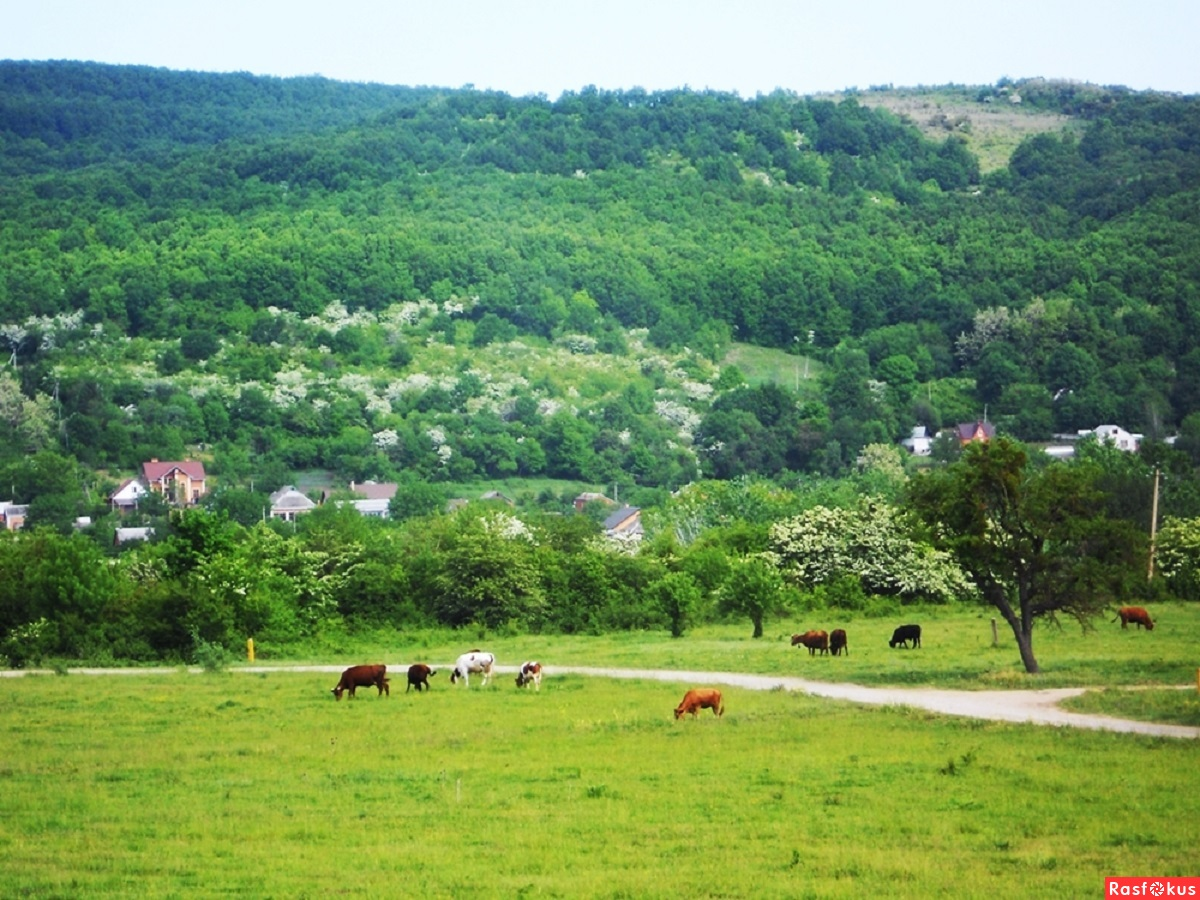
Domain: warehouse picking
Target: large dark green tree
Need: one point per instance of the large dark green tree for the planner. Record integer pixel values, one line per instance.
(1035, 540)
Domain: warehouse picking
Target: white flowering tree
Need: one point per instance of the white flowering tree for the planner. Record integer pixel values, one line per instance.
(872, 542)
(1177, 556)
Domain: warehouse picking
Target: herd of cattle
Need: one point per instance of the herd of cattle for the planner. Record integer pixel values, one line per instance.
(479, 662)
(476, 662)
(834, 642)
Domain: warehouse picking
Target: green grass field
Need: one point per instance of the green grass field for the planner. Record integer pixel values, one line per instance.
(261, 785)
(957, 650)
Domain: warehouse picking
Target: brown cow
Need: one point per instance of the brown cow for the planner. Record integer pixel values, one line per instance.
(700, 698)
(813, 640)
(1134, 614)
(363, 676)
(837, 641)
(418, 674)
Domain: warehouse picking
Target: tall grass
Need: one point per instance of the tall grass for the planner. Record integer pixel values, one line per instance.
(262, 785)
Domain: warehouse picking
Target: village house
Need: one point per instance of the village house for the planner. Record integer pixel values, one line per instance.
(181, 483)
(625, 524)
(128, 495)
(376, 498)
(919, 443)
(287, 503)
(12, 515)
(970, 432)
(590, 497)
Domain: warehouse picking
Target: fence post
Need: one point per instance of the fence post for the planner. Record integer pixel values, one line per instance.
(250, 649)
(995, 636)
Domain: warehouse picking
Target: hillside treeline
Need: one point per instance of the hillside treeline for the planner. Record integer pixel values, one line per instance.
(233, 262)
(161, 201)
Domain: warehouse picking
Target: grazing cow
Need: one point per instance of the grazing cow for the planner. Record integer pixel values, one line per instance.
(905, 633)
(476, 661)
(813, 640)
(363, 676)
(700, 698)
(530, 672)
(1134, 614)
(837, 641)
(418, 675)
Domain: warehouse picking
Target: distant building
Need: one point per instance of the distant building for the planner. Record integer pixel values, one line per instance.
(129, 535)
(287, 503)
(1115, 435)
(625, 524)
(128, 495)
(181, 483)
(376, 498)
(971, 432)
(12, 515)
(590, 497)
(919, 443)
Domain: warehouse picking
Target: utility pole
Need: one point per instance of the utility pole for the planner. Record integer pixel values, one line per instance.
(1153, 527)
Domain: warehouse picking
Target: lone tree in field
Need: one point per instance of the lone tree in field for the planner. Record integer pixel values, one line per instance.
(1035, 541)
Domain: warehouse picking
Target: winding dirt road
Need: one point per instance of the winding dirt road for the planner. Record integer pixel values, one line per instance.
(1036, 707)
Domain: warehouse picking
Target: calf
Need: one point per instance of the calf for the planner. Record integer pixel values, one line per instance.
(1136, 615)
(813, 640)
(418, 675)
(363, 676)
(700, 698)
(476, 661)
(837, 641)
(905, 633)
(530, 672)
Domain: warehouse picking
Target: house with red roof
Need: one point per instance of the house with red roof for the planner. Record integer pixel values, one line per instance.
(181, 483)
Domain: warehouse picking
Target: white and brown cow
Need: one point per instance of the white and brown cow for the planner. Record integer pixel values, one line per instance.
(478, 662)
(530, 673)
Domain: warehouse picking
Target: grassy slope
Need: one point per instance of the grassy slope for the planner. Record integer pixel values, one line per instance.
(264, 786)
(992, 131)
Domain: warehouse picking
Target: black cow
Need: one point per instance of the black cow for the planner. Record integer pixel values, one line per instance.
(905, 633)
(837, 641)
(418, 675)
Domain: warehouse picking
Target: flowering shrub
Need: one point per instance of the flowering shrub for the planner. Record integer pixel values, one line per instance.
(872, 543)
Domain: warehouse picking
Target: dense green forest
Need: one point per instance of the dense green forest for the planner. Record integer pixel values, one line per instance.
(438, 286)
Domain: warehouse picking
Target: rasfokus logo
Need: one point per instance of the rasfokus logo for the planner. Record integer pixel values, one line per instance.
(1152, 887)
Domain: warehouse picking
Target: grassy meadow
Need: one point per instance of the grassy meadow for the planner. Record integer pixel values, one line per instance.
(956, 651)
(261, 785)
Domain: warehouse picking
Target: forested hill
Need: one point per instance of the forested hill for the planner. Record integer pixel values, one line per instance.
(223, 226)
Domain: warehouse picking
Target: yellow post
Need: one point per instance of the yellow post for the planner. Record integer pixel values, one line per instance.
(250, 649)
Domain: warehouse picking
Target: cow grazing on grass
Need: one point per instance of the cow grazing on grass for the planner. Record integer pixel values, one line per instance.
(700, 698)
(813, 640)
(905, 633)
(530, 673)
(837, 641)
(476, 661)
(418, 675)
(363, 676)
(1136, 615)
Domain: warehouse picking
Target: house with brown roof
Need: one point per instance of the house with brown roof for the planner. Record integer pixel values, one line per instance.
(376, 497)
(970, 432)
(181, 483)
(590, 497)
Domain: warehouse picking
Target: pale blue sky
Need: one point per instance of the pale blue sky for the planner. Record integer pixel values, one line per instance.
(546, 47)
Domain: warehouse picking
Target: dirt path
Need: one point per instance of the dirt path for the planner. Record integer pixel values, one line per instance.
(1036, 707)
